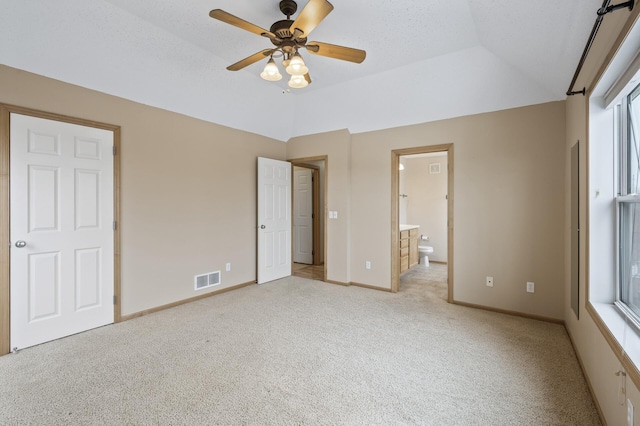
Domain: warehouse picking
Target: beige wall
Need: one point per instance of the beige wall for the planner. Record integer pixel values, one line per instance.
(599, 360)
(508, 207)
(336, 146)
(511, 186)
(427, 202)
(508, 204)
(188, 189)
(176, 172)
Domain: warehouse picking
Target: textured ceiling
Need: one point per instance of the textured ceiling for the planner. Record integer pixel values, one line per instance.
(392, 32)
(496, 53)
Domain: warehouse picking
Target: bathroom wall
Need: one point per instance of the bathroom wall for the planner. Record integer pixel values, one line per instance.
(402, 190)
(427, 201)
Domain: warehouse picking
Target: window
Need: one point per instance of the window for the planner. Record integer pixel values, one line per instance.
(627, 131)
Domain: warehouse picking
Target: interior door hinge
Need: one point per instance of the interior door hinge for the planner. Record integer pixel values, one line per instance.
(115, 225)
(114, 299)
(114, 150)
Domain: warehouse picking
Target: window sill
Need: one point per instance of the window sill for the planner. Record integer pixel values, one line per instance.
(617, 332)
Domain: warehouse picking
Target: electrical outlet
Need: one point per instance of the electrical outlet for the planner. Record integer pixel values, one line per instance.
(489, 281)
(531, 287)
(228, 267)
(629, 412)
(367, 264)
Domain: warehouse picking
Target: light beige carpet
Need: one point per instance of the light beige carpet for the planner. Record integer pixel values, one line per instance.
(297, 351)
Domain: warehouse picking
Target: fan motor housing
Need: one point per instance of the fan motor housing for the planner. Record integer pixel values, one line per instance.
(288, 7)
(282, 30)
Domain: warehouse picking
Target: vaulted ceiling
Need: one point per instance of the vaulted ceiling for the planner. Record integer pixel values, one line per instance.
(426, 60)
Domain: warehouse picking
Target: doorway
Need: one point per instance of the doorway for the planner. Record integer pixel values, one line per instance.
(85, 182)
(309, 217)
(433, 227)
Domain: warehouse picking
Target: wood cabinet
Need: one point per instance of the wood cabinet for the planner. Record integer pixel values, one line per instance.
(408, 249)
(413, 247)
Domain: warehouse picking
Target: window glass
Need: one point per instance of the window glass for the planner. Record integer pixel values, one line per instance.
(629, 208)
(633, 153)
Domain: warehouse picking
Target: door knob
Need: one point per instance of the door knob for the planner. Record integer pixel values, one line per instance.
(21, 244)
(262, 226)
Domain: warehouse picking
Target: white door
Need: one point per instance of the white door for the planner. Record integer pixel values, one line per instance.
(61, 229)
(274, 219)
(303, 215)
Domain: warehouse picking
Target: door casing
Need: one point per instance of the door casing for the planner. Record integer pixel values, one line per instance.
(296, 241)
(395, 212)
(317, 209)
(5, 200)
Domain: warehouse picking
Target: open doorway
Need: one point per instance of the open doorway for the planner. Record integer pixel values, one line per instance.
(309, 177)
(422, 216)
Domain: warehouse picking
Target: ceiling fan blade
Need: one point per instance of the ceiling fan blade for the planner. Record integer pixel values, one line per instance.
(337, 52)
(223, 16)
(250, 60)
(308, 78)
(312, 14)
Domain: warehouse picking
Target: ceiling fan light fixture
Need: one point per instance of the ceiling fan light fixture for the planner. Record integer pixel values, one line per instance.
(296, 65)
(287, 59)
(288, 36)
(298, 82)
(271, 72)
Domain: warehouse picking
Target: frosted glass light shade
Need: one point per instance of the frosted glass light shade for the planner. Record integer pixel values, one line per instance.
(271, 72)
(296, 65)
(298, 82)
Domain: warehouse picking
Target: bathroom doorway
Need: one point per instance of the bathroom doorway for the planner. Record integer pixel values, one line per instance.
(422, 219)
(309, 177)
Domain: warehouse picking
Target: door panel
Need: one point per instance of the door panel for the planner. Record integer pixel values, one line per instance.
(87, 199)
(61, 186)
(274, 219)
(303, 216)
(88, 278)
(43, 195)
(44, 286)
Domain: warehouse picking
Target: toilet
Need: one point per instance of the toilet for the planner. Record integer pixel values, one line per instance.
(423, 253)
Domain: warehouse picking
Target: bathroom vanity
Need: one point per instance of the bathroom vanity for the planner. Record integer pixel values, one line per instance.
(408, 247)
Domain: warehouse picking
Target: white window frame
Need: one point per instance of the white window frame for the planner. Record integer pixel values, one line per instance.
(601, 280)
(624, 195)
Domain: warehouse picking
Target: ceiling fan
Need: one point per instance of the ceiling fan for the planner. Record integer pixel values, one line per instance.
(288, 37)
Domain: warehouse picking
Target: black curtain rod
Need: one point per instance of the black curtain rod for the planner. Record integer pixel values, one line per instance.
(606, 8)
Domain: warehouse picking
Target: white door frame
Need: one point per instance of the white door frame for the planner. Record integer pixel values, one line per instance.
(5, 200)
(395, 211)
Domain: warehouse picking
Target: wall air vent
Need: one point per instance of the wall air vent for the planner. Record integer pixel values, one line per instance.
(207, 280)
